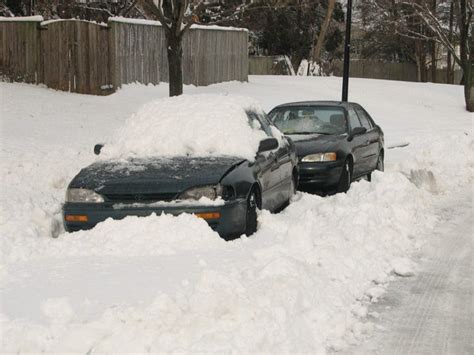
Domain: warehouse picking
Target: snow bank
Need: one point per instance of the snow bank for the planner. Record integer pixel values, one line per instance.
(154, 235)
(199, 125)
(168, 284)
(294, 287)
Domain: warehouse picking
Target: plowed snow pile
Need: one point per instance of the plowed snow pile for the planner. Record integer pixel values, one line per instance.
(302, 283)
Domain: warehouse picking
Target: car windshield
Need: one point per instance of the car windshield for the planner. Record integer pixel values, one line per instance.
(309, 119)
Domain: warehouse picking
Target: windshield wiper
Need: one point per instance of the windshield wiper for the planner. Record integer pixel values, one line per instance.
(309, 133)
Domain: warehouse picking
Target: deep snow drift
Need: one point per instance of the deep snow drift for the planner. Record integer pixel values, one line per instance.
(162, 283)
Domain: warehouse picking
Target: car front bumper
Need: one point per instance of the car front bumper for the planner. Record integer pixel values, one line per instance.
(230, 224)
(319, 175)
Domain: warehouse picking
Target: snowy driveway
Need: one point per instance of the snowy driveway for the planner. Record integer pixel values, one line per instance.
(303, 283)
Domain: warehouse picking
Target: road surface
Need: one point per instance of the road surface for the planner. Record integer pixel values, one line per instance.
(432, 312)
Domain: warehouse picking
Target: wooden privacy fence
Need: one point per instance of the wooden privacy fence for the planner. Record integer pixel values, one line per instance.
(19, 49)
(371, 69)
(74, 56)
(90, 58)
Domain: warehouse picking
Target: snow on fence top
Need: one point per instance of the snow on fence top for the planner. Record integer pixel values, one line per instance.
(136, 21)
(45, 23)
(189, 125)
(22, 19)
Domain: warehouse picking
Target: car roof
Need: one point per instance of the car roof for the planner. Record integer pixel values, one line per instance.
(317, 103)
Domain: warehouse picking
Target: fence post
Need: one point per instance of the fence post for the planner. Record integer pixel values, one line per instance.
(113, 61)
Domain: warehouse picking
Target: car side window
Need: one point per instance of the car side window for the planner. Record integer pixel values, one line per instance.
(364, 120)
(353, 118)
(256, 121)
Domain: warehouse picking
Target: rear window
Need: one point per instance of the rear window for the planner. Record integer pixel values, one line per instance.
(309, 119)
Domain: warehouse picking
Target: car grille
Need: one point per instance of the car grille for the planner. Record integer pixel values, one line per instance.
(143, 197)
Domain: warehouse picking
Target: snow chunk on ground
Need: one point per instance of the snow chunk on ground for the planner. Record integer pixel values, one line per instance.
(199, 125)
(375, 293)
(403, 267)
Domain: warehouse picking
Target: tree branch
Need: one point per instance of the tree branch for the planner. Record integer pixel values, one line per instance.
(128, 9)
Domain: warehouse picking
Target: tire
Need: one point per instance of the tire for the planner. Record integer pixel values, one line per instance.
(251, 218)
(380, 166)
(293, 189)
(380, 163)
(295, 180)
(346, 178)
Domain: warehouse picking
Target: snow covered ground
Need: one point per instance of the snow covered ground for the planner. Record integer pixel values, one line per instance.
(431, 312)
(302, 283)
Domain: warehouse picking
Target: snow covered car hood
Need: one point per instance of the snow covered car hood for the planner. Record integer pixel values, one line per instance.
(316, 143)
(154, 175)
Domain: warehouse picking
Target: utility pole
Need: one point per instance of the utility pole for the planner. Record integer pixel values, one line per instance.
(347, 50)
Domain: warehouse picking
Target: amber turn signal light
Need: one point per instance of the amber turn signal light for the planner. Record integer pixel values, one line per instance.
(209, 215)
(76, 218)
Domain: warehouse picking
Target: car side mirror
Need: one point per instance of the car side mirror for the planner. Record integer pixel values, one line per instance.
(357, 132)
(267, 144)
(98, 148)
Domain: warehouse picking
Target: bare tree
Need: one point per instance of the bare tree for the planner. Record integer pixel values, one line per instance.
(433, 49)
(316, 50)
(93, 10)
(176, 17)
(5, 10)
(438, 32)
(426, 26)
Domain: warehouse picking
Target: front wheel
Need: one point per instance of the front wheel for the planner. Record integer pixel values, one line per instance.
(380, 166)
(293, 189)
(251, 218)
(345, 179)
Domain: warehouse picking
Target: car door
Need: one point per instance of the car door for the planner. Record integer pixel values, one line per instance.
(372, 135)
(267, 167)
(358, 144)
(284, 162)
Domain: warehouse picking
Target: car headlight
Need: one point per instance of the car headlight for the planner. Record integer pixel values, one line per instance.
(211, 192)
(83, 196)
(319, 157)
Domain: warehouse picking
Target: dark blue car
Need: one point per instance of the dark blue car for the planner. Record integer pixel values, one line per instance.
(224, 190)
(336, 142)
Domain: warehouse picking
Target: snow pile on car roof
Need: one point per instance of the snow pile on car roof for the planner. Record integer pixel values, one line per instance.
(193, 125)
